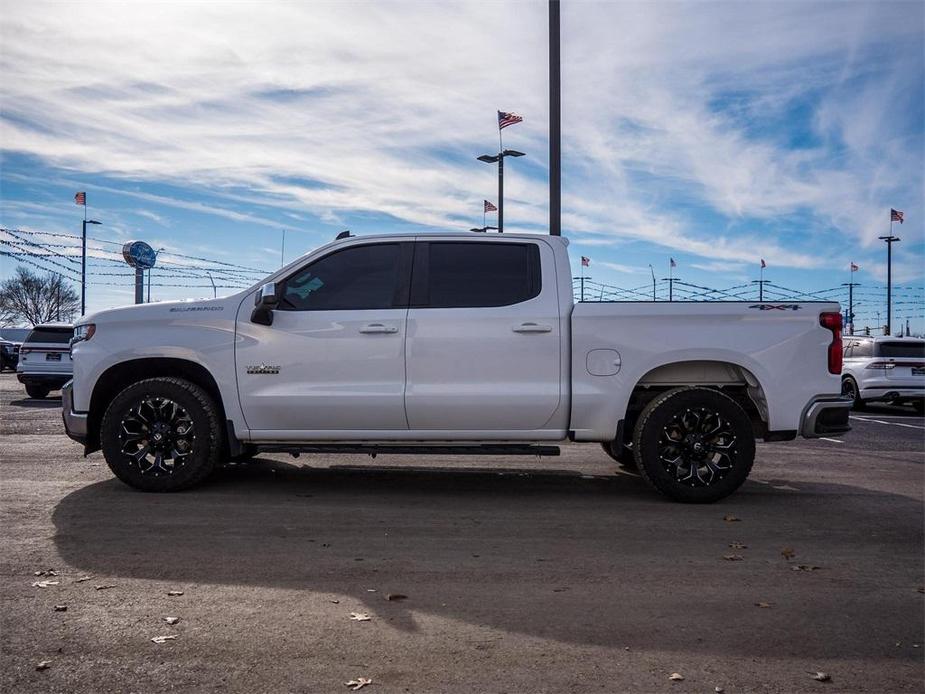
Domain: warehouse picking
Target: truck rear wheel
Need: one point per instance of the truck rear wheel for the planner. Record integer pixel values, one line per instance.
(694, 445)
(161, 435)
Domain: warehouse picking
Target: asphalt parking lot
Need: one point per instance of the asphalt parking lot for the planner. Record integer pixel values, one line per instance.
(521, 575)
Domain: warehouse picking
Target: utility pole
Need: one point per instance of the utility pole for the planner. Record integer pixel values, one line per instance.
(652, 270)
(83, 262)
(890, 240)
(555, 124)
(850, 317)
(581, 280)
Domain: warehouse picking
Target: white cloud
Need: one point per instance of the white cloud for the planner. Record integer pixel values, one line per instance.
(332, 108)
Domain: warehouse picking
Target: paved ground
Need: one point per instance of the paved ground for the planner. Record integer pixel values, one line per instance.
(558, 575)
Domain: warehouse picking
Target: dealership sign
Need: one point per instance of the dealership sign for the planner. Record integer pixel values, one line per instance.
(139, 255)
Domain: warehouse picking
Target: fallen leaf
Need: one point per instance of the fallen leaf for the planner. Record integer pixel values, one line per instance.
(106, 586)
(60, 608)
(162, 639)
(676, 677)
(358, 683)
(174, 593)
(737, 545)
(805, 567)
(44, 584)
(360, 617)
(43, 665)
(83, 579)
(729, 518)
(396, 596)
(821, 676)
(788, 553)
(763, 605)
(171, 620)
(733, 557)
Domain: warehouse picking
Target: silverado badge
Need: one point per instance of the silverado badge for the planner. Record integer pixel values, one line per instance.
(263, 369)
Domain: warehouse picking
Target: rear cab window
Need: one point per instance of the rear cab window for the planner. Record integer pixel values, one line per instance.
(472, 274)
(901, 349)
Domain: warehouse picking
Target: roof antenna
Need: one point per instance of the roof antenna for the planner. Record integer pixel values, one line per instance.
(343, 235)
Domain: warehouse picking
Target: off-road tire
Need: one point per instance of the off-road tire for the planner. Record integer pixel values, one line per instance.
(37, 392)
(207, 440)
(849, 387)
(658, 416)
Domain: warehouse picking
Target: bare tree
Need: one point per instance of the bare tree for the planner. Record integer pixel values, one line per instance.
(31, 298)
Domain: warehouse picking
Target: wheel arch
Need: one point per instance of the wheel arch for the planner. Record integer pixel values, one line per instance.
(735, 380)
(119, 376)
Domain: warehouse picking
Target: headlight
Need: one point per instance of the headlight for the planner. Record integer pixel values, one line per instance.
(83, 332)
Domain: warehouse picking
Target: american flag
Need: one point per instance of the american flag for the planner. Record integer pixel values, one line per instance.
(489, 207)
(506, 119)
(585, 261)
(854, 267)
(80, 199)
(763, 264)
(673, 263)
(896, 216)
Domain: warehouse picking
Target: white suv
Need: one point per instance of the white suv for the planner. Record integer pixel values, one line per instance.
(884, 369)
(45, 359)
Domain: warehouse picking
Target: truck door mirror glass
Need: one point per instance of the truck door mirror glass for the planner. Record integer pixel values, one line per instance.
(267, 299)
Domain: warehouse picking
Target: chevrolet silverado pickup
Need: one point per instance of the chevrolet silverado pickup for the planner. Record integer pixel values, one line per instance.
(455, 344)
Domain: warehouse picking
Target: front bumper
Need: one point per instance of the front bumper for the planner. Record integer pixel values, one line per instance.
(826, 416)
(75, 423)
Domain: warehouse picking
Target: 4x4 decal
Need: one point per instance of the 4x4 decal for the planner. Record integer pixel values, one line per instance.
(776, 307)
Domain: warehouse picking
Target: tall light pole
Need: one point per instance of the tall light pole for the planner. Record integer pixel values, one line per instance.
(83, 264)
(652, 270)
(761, 284)
(555, 124)
(850, 317)
(499, 158)
(890, 240)
(671, 281)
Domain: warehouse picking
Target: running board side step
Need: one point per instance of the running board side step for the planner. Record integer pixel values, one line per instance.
(375, 449)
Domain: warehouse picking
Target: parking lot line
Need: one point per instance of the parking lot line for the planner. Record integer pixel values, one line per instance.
(823, 438)
(880, 421)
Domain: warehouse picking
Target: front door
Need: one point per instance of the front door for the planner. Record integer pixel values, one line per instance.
(334, 358)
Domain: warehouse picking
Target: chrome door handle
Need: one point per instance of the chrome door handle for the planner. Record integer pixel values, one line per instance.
(378, 328)
(533, 328)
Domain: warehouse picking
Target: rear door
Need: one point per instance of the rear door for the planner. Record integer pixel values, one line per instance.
(483, 343)
(908, 358)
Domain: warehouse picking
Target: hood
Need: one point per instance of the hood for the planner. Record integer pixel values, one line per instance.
(226, 305)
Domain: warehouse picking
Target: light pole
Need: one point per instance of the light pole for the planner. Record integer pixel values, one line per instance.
(499, 158)
(652, 270)
(850, 317)
(83, 265)
(890, 240)
(214, 290)
(671, 281)
(555, 124)
(761, 284)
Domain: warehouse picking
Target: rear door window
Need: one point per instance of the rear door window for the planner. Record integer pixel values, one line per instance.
(468, 274)
(898, 350)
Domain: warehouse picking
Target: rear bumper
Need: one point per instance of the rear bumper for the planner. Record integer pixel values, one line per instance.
(886, 392)
(52, 380)
(75, 423)
(826, 416)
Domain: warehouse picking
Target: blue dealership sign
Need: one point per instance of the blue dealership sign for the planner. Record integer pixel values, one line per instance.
(139, 254)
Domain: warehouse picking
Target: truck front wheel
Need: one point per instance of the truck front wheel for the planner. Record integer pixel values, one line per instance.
(161, 435)
(694, 445)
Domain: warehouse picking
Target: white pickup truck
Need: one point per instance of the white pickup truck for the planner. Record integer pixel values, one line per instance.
(451, 343)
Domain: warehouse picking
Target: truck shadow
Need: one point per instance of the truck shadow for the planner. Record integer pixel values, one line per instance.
(49, 403)
(594, 560)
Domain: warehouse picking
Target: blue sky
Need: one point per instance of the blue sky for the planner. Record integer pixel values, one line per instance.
(714, 133)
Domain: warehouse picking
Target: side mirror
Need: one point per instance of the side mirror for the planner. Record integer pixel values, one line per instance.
(267, 299)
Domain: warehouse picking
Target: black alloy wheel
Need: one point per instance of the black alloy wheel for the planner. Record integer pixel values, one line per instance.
(694, 444)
